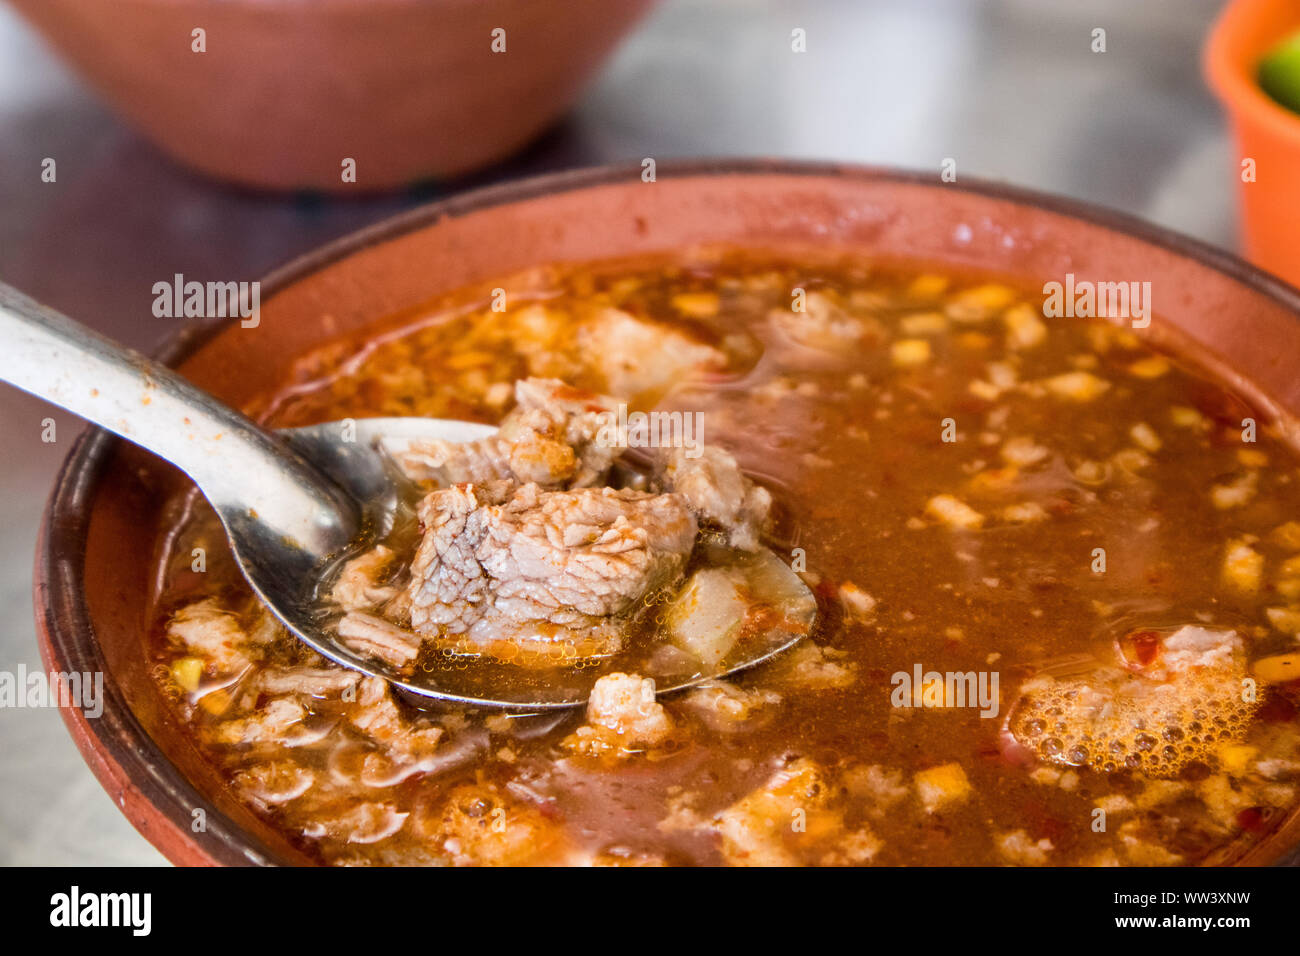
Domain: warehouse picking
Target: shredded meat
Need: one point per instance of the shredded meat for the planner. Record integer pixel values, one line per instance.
(379, 718)
(639, 358)
(358, 587)
(718, 493)
(368, 634)
(480, 825)
(272, 723)
(549, 439)
(758, 829)
(814, 667)
(625, 704)
(357, 822)
(274, 783)
(726, 707)
(559, 558)
(623, 717)
(823, 325)
(311, 681)
(206, 630)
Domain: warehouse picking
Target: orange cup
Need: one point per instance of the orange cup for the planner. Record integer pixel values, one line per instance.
(1264, 130)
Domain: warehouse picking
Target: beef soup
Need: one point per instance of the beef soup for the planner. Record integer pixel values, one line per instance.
(1048, 576)
(539, 550)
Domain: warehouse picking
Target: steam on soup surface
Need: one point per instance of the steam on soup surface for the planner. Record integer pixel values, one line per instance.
(1051, 577)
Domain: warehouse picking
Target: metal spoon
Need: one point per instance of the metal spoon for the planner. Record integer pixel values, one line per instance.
(291, 502)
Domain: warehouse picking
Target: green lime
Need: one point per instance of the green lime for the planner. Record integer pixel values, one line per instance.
(1279, 73)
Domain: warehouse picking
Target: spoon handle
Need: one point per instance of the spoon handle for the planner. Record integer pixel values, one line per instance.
(251, 477)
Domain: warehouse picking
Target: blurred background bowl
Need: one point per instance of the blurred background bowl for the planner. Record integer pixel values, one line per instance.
(286, 90)
(1263, 129)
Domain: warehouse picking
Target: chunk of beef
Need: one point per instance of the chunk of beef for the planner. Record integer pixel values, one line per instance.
(559, 558)
(639, 358)
(275, 782)
(623, 718)
(1019, 848)
(206, 630)
(378, 717)
(309, 681)
(880, 789)
(448, 585)
(822, 324)
(483, 825)
(353, 822)
(814, 667)
(719, 494)
(271, 724)
(756, 830)
(549, 438)
(625, 704)
(594, 551)
(368, 634)
(358, 585)
(728, 708)
(548, 408)
(1194, 647)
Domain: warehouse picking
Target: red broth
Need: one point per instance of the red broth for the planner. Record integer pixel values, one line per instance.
(989, 505)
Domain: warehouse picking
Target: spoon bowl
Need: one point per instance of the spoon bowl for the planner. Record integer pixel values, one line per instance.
(295, 503)
(357, 455)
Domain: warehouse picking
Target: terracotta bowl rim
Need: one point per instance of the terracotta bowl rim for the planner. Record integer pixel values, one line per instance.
(141, 776)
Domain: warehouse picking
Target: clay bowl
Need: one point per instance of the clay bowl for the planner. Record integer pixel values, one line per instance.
(286, 90)
(93, 562)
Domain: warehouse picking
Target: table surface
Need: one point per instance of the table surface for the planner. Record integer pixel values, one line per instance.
(1008, 88)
